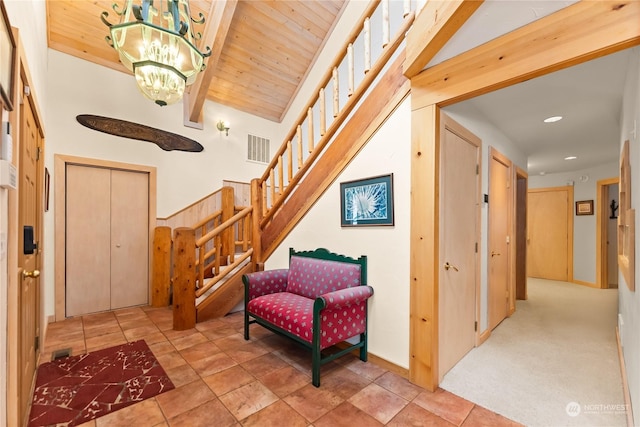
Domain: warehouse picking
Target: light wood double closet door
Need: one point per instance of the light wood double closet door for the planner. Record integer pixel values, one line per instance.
(107, 241)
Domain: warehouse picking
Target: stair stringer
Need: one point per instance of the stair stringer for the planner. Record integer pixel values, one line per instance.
(225, 298)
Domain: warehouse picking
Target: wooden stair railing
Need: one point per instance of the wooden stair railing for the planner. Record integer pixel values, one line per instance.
(208, 260)
(311, 133)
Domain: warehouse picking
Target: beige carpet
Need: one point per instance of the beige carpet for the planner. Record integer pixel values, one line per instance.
(553, 363)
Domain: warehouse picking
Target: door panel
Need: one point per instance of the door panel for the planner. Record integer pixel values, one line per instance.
(129, 238)
(30, 214)
(458, 281)
(548, 233)
(88, 240)
(498, 249)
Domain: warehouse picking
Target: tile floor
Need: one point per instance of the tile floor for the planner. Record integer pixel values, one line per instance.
(222, 380)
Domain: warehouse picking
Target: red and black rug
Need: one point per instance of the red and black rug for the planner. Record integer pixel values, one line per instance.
(76, 389)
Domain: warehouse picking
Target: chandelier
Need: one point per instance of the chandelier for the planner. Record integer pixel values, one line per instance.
(158, 46)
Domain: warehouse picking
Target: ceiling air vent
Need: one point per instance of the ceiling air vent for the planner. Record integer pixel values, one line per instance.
(258, 149)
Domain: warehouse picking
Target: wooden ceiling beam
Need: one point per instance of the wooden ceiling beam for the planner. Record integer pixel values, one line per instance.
(443, 19)
(215, 33)
(584, 29)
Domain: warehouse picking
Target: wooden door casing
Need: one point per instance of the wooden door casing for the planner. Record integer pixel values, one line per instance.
(499, 248)
(459, 231)
(550, 233)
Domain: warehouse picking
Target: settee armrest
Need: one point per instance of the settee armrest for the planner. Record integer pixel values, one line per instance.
(264, 283)
(343, 297)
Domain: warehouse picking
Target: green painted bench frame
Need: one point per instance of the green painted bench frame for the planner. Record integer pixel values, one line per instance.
(317, 359)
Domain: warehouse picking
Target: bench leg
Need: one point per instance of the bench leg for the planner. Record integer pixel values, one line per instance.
(363, 349)
(246, 325)
(315, 366)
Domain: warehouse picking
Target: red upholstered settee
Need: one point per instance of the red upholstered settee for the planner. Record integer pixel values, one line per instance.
(319, 301)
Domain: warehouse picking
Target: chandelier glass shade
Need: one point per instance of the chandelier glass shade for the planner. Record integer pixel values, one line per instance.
(158, 46)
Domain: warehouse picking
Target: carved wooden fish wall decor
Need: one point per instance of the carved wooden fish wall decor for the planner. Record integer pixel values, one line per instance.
(166, 140)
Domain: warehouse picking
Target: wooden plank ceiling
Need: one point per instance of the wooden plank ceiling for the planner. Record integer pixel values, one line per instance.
(267, 52)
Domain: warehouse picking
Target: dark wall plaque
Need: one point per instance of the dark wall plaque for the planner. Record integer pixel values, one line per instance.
(166, 140)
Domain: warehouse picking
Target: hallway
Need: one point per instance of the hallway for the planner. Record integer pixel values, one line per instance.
(554, 362)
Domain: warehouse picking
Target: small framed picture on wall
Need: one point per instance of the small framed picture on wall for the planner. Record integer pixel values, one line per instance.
(584, 207)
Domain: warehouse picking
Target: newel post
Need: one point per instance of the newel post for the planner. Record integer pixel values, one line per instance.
(256, 218)
(228, 237)
(161, 279)
(184, 286)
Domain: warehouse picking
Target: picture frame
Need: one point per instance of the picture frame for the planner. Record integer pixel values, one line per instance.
(367, 202)
(584, 207)
(7, 59)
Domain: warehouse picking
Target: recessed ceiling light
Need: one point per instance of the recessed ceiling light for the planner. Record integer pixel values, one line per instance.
(570, 158)
(552, 119)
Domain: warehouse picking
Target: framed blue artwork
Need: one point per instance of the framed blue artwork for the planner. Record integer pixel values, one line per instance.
(367, 202)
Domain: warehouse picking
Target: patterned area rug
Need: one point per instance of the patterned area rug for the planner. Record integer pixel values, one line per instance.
(76, 389)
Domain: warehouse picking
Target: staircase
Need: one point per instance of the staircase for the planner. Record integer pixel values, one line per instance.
(210, 257)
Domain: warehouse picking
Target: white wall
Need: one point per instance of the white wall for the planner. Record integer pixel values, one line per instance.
(473, 120)
(629, 302)
(78, 87)
(387, 248)
(584, 227)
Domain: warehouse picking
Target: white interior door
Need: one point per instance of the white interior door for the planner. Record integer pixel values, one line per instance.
(88, 240)
(549, 225)
(107, 242)
(129, 238)
(459, 200)
(499, 225)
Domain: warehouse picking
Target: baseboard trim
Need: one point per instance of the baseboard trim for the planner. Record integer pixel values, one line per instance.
(625, 385)
(484, 336)
(591, 285)
(383, 363)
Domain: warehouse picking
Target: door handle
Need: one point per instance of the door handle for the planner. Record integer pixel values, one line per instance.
(494, 253)
(34, 274)
(447, 266)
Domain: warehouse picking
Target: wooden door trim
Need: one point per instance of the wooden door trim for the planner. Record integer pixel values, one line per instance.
(447, 123)
(573, 35)
(60, 166)
(602, 277)
(497, 155)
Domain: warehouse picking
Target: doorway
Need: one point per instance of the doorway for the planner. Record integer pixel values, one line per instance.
(456, 80)
(105, 215)
(607, 233)
(460, 234)
(107, 239)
